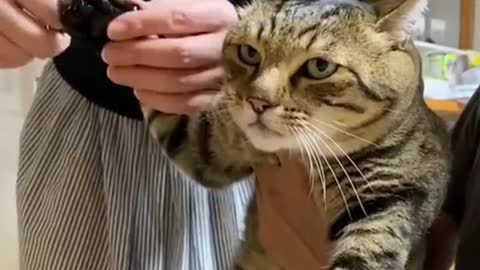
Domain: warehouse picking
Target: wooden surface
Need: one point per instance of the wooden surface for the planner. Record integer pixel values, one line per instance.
(441, 106)
(467, 24)
(294, 239)
(448, 110)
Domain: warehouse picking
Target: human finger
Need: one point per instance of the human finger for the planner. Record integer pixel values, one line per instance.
(11, 55)
(175, 103)
(28, 34)
(46, 11)
(173, 18)
(166, 80)
(186, 52)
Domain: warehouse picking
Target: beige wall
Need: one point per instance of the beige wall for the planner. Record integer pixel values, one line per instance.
(446, 30)
(446, 13)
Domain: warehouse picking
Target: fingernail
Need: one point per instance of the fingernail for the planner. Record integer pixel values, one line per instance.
(66, 39)
(117, 29)
(103, 56)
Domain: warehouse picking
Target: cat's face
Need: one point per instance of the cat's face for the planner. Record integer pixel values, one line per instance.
(308, 74)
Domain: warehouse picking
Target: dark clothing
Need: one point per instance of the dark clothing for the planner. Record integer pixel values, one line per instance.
(463, 201)
(81, 67)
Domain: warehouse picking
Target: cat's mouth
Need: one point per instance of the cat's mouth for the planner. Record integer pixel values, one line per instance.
(258, 125)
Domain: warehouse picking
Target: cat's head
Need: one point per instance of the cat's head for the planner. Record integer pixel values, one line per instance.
(313, 71)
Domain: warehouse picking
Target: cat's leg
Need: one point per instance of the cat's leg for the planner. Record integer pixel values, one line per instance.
(207, 146)
(381, 241)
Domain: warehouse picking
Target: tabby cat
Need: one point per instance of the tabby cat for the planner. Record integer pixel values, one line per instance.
(338, 84)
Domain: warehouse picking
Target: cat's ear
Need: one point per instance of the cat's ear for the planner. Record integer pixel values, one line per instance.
(397, 15)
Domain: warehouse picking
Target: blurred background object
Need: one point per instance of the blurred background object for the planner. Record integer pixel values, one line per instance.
(453, 24)
(448, 39)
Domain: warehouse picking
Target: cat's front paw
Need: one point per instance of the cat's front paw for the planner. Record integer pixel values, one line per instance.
(162, 125)
(89, 19)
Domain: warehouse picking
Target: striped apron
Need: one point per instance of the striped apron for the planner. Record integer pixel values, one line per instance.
(96, 192)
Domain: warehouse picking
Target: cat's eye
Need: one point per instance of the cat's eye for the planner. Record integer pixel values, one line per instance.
(249, 55)
(319, 69)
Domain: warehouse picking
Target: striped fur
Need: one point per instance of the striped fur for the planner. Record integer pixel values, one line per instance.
(377, 155)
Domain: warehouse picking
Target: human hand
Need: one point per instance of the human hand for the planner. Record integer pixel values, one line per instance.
(179, 72)
(291, 228)
(27, 31)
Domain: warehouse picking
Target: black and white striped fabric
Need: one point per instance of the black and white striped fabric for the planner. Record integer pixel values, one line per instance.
(95, 192)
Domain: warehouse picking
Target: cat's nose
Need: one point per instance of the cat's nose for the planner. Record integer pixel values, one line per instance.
(259, 105)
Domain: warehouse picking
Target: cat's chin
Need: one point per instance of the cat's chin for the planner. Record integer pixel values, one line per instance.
(269, 141)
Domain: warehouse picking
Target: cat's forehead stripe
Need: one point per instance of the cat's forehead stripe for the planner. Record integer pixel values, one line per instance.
(323, 9)
(261, 28)
(273, 23)
(306, 18)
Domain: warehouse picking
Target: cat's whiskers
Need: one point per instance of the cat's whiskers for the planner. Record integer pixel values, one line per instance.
(394, 111)
(311, 166)
(316, 149)
(341, 150)
(344, 132)
(339, 163)
(299, 142)
(337, 181)
(292, 132)
(339, 123)
(321, 174)
(319, 167)
(295, 135)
